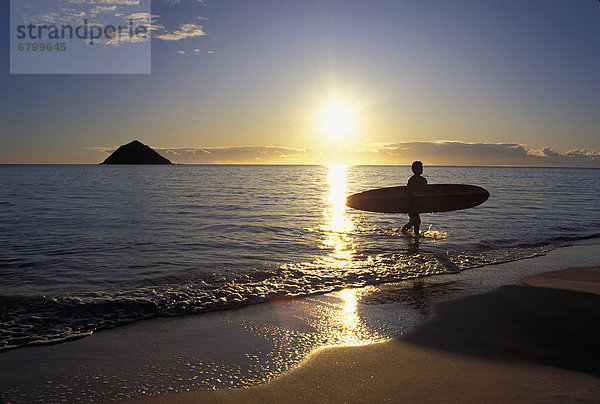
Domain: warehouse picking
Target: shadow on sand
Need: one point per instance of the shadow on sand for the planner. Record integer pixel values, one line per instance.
(549, 326)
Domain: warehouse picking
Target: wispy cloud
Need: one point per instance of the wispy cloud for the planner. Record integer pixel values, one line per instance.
(119, 12)
(461, 153)
(165, 29)
(247, 154)
(432, 153)
(184, 31)
(450, 153)
(99, 14)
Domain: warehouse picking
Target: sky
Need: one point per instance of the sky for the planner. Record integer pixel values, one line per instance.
(448, 82)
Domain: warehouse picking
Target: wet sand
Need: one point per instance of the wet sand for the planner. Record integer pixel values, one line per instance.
(532, 341)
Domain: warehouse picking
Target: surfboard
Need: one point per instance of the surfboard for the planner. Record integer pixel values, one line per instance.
(427, 199)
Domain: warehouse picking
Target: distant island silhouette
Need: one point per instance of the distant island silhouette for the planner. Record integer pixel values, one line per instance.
(135, 153)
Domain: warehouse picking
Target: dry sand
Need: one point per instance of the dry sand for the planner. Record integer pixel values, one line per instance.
(533, 341)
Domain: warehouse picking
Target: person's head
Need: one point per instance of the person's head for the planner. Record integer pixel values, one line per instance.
(417, 167)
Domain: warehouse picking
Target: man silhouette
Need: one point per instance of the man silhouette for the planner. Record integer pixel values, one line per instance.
(413, 184)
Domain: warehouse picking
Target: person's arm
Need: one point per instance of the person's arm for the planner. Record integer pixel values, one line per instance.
(410, 187)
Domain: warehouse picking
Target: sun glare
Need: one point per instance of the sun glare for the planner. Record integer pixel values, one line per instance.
(338, 119)
(337, 225)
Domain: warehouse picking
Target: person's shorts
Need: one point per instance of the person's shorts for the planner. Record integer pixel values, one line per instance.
(414, 216)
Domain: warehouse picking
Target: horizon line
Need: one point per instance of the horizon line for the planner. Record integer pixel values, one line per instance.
(299, 165)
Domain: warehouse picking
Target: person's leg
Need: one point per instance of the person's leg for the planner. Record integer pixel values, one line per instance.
(416, 224)
(405, 227)
(408, 225)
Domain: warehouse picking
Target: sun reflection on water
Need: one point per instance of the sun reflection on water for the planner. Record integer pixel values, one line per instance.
(348, 321)
(336, 225)
(338, 318)
(335, 316)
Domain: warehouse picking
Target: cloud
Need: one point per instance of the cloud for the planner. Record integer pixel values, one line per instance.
(184, 31)
(103, 13)
(63, 16)
(487, 154)
(166, 28)
(117, 2)
(233, 155)
(451, 153)
(103, 10)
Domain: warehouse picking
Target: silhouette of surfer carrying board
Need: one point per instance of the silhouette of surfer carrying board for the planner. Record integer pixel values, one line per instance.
(414, 183)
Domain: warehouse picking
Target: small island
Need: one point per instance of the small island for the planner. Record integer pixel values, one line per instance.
(135, 153)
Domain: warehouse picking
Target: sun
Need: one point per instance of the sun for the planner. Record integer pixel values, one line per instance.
(338, 119)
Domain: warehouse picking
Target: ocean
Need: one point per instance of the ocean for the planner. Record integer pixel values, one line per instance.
(90, 247)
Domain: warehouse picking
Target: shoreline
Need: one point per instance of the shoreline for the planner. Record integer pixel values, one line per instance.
(468, 352)
(250, 348)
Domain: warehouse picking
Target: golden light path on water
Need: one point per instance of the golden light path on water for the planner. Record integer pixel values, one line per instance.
(334, 316)
(336, 224)
(337, 227)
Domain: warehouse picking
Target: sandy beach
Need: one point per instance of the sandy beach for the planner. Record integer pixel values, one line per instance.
(517, 332)
(264, 201)
(533, 341)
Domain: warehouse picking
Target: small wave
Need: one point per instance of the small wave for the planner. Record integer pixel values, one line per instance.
(434, 234)
(577, 238)
(430, 233)
(26, 320)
